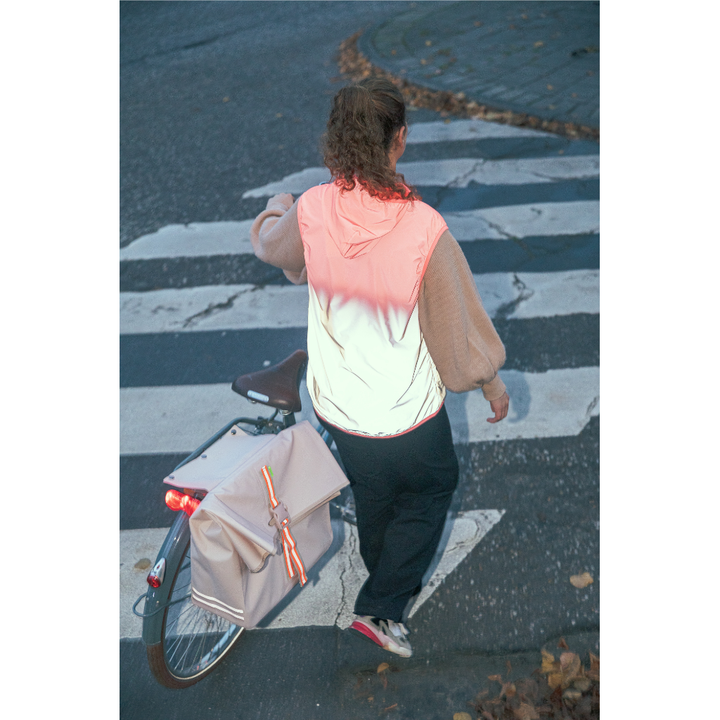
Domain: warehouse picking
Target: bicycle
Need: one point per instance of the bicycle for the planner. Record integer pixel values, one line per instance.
(184, 643)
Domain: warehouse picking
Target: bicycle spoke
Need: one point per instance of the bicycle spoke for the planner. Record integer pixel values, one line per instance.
(193, 638)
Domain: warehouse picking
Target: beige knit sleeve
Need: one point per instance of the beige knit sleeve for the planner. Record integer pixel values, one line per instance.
(275, 237)
(459, 335)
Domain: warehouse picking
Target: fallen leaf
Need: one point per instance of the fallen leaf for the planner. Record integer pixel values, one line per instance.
(527, 688)
(581, 581)
(548, 662)
(143, 564)
(562, 644)
(549, 87)
(508, 690)
(555, 680)
(495, 678)
(462, 716)
(582, 684)
(539, 43)
(594, 672)
(571, 696)
(226, 99)
(478, 24)
(571, 667)
(526, 712)
(278, 115)
(428, 43)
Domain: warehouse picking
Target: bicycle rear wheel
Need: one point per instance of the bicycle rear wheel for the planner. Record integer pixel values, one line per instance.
(193, 641)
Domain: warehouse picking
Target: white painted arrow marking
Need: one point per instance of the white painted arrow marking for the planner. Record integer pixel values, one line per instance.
(334, 582)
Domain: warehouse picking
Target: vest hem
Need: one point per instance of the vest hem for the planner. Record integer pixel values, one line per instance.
(381, 437)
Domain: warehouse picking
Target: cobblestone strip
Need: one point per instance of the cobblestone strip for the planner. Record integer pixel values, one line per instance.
(355, 66)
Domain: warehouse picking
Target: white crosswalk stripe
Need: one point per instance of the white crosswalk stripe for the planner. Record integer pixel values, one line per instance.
(440, 131)
(521, 221)
(235, 307)
(455, 173)
(496, 223)
(560, 402)
(176, 419)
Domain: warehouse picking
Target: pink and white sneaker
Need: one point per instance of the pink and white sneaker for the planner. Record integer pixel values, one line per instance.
(386, 633)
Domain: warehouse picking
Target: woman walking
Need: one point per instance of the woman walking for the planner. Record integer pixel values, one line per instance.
(394, 319)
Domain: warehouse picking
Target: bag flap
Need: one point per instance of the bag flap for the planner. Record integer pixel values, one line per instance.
(305, 474)
(218, 529)
(236, 513)
(220, 462)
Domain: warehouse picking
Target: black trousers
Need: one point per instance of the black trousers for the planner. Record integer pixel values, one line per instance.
(403, 487)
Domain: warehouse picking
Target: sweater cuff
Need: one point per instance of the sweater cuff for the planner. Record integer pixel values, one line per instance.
(494, 389)
(259, 220)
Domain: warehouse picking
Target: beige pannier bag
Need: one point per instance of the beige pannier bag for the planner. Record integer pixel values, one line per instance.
(241, 563)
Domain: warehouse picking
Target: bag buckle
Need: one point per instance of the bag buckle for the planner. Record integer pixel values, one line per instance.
(280, 516)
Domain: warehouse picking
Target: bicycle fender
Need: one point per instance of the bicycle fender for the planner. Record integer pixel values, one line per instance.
(173, 550)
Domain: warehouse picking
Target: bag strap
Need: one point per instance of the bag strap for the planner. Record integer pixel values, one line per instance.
(282, 520)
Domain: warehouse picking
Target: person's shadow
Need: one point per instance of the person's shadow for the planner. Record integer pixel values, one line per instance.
(460, 419)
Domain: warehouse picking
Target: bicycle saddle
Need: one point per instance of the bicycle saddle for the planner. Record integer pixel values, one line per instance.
(277, 386)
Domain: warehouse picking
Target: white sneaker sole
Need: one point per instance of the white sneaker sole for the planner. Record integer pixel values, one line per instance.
(380, 639)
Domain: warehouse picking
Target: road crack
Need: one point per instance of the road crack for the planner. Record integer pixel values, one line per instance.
(524, 293)
(592, 406)
(462, 180)
(346, 567)
(215, 308)
(499, 229)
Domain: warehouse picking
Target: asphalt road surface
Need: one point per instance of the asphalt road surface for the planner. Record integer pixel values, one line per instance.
(221, 103)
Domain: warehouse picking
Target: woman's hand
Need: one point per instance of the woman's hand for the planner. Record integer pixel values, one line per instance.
(499, 407)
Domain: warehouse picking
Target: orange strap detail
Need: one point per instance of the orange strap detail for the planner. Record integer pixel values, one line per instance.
(290, 551)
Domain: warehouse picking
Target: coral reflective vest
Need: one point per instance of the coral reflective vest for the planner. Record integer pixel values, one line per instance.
(369, 372)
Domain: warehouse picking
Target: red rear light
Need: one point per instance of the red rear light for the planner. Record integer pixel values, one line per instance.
(157, 574)
(176, 500)
(173, 499)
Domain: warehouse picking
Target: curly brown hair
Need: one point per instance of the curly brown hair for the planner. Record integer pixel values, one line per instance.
(364, 121)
